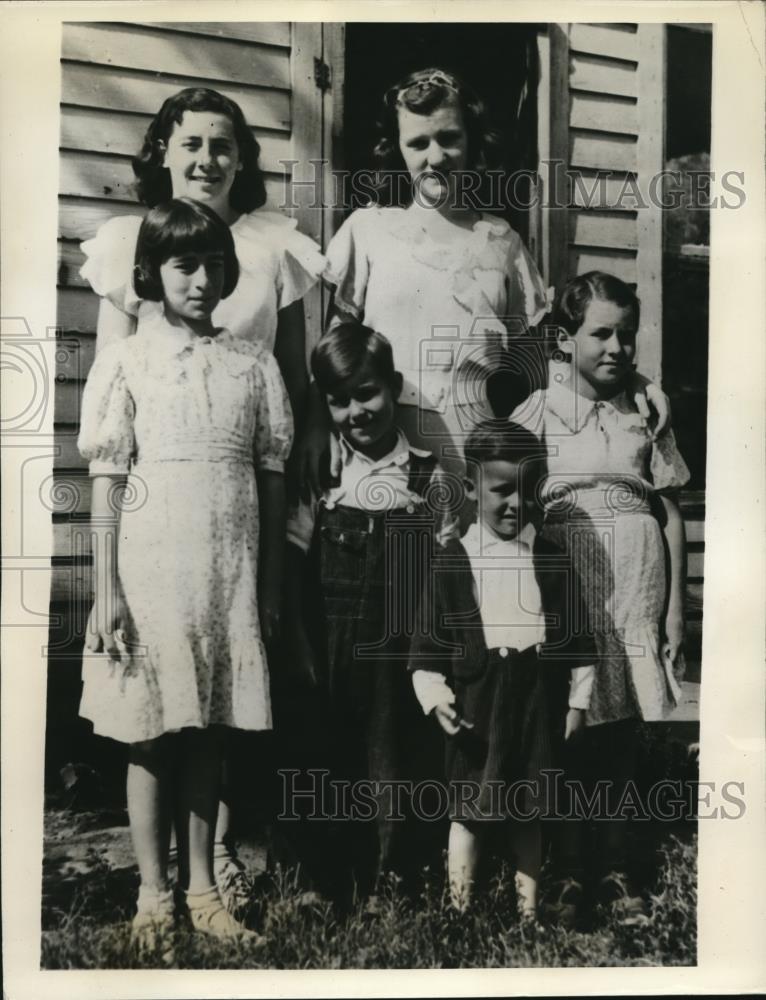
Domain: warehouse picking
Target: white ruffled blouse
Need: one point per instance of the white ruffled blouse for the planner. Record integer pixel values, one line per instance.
(444, 306)
(278, 265)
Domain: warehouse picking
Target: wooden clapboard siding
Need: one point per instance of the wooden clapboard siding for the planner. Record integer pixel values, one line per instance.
(91, 86)
(601, 92)
(613, 41)
(603, 113)
(268, 32)
(159, 50)
(602, 151)
(693, 510)
(593, 228)
(598, 75)
(114, 77)
(621, 263)
(611, 141)
(600, 188)
(603, 88)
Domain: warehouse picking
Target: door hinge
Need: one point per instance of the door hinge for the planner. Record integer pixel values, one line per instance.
(322, 76)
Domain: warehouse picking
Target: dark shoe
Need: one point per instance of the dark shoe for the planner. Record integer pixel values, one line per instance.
(618, 894)
(234, 885)
(564, 905)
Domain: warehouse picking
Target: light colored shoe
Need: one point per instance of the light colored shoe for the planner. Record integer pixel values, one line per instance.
(234, 885)
(151, 931)
(208, 915)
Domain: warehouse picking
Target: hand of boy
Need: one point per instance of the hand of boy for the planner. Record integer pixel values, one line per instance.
(449, 719)
(301, 664)
(575, 723)
(269, 606)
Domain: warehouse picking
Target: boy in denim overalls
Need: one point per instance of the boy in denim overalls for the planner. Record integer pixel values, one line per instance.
(358, 554)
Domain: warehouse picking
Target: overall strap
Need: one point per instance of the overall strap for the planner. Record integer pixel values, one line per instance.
(421, 472)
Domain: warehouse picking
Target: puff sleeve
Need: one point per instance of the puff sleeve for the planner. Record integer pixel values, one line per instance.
(528, 299)
(273, 417)
(667, 468)
(106, 427)
(348, 264)
(300, 265)
(109, 262)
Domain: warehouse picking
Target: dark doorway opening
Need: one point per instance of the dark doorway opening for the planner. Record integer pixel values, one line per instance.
(686, 247)
(498, 60)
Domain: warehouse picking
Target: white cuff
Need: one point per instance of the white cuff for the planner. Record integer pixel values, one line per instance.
(580, 686)
(431, 689)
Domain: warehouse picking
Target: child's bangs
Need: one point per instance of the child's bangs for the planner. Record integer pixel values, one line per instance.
(189, 234)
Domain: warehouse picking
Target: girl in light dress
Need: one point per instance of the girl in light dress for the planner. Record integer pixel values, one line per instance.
(199, 145)
(188, 550)
(610, 502)
(454, 289)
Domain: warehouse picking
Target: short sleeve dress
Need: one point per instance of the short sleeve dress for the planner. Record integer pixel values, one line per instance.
(188, 421)
(447, 308)
(603, 474)
(277, 264)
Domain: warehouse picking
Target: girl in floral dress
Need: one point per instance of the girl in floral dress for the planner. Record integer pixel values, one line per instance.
(199, 145)
(175, 421)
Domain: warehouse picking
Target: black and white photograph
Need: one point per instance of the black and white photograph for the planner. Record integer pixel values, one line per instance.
(376, 443)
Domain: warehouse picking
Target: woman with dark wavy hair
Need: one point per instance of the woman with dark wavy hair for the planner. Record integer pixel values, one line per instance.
(199, 146)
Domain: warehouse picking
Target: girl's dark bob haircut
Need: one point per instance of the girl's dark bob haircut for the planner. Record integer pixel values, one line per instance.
(176, 228)
(501, 441)
(582, 290)
(349, 348)
(423, 92)
(153, 185)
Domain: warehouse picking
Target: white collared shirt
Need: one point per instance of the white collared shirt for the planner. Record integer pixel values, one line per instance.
(510, 604)
(365, 484)
(508, 596)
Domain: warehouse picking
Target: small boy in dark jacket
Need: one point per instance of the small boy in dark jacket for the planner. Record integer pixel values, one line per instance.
(498, 662)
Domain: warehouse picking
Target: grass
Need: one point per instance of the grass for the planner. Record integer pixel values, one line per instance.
(89, 889)
(402, 934)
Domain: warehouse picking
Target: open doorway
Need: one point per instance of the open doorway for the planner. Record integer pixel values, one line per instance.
(498, 60)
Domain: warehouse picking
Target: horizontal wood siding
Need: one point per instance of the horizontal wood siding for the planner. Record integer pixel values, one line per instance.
(114, 78)
(614, 91)
(219, 61)
(603, 147)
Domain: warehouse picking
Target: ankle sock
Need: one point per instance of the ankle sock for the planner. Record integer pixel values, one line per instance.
(153, 899)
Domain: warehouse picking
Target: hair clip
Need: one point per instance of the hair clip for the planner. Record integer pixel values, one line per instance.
(437, 78)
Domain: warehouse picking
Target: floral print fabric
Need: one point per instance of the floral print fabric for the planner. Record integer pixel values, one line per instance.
(189, 420)
(602, 472)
